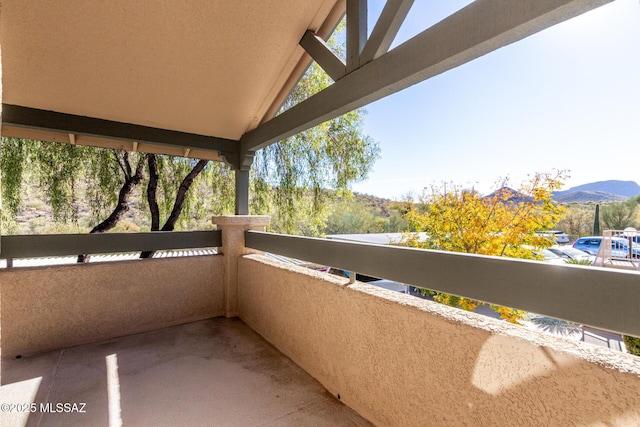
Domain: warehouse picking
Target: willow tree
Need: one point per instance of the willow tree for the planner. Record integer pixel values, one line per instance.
(289, 178)
(12, 166)
(56, 168)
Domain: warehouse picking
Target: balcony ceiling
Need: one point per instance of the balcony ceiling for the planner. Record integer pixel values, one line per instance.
(214, 67)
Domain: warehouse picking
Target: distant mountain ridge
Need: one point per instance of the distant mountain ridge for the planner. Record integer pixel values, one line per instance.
(509, 194)
(600, 191)
(588, 196)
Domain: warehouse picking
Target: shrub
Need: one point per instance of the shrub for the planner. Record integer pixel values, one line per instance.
(578, 261)
(632, 343)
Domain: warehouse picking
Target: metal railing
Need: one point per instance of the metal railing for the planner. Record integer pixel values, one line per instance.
(48, 245)
(598, 297)
(619, 249)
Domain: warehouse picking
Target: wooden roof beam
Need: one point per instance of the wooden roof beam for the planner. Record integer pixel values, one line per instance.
(24, 117)
(480, 28)
(356, 32)
(386, 29)
(323, 55)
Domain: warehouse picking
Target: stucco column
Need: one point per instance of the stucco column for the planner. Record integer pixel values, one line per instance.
(233, 228)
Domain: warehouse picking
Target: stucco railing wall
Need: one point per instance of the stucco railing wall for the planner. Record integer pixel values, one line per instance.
(45, 308)
(400, 360)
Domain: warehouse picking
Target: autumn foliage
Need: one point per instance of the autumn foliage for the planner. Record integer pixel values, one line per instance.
(505, 223)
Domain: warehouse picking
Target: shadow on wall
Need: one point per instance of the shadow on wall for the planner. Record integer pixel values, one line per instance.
(400, 360)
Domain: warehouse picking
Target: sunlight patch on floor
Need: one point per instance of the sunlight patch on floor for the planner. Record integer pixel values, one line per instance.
(14, 398)
(113, 391)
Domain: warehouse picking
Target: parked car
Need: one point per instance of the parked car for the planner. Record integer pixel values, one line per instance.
(619, 246)
(635, 237)
(543, 254)
(549, 256)
(555, 235)
(571, 253)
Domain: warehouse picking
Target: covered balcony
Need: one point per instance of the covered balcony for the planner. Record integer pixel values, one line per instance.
(236, 337)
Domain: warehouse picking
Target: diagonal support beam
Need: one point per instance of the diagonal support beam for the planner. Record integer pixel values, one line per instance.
(356, 32)
(323, 55)
(79, 125)
(480, 28)
(386, 29)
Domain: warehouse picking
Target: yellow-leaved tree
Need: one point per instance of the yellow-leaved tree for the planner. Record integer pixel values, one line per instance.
(504, 223)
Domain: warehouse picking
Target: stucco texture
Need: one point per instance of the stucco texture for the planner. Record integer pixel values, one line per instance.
(402, 361)
(49, 308)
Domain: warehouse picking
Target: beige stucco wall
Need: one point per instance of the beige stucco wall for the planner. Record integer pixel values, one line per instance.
(47, 308)
(0, 154)
(400, 361)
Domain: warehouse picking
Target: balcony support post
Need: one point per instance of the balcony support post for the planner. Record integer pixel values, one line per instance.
(233, 247)
(242, 192)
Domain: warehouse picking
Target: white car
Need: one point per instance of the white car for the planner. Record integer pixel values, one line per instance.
(556, 235)
(571, 253)
(549, 256)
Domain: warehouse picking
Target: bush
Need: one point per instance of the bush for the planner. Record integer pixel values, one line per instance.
(126, 226)
(633, 344)
(578, 261)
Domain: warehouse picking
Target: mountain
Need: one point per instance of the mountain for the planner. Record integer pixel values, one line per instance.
(509, 195)
(587, 196)
(621, 188)
(600, 191)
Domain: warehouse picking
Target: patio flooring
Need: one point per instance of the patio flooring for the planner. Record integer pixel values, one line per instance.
(216, 372)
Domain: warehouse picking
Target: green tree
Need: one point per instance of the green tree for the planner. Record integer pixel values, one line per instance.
(132, 175)
(596, 222)
(289, 177)
(350, 218)
(619, 215)
(181, 195)
(12, 158)
(504, 223)
(364, 214)
(578, 220)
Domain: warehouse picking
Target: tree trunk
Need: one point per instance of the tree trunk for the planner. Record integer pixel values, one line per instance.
(151, 192)
(152, 199)
(182, 194)
(122, 206)
(170, 223)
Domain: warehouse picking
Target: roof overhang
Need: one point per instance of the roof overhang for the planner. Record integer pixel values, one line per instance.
(212, 69)
(205, 78)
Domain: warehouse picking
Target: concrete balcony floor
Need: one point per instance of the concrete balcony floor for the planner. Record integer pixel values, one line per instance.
(213, 372)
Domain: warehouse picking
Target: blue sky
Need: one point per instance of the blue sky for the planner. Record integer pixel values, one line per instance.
(565, 98)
